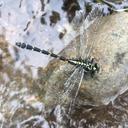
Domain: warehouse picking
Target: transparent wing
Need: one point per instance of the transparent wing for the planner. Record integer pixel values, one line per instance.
(71, 79)
(92, 31)
(91, 20)
(77, 22)
(72, 84)
(83, 23)
(77, 91)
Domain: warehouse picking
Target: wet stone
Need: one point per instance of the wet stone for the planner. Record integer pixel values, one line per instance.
(110, 51)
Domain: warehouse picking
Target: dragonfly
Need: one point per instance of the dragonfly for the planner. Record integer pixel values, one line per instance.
(88, 65)
(83, 65)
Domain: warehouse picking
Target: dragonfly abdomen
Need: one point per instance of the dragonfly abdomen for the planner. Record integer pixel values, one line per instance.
(29, 47)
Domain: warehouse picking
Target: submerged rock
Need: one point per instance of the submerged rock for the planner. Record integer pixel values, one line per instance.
(111, 52)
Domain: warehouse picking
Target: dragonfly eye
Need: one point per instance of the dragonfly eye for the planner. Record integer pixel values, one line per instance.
(90, 66)
(96, 67)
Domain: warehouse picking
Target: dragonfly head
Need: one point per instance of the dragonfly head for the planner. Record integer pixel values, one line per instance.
(96, 68)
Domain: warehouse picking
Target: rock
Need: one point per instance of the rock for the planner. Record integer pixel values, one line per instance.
(17, 99)
(110, 51)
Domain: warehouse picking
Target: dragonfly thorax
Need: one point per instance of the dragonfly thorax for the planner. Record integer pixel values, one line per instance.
(89, 65)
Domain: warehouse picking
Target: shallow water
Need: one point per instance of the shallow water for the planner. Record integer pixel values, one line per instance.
(22, 89)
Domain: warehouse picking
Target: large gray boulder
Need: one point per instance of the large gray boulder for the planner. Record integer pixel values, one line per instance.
(110, 51)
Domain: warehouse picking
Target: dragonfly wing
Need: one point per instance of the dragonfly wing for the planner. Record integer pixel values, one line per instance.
(91, 20)
(72, 84)
(93, 30)
(77, 91)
